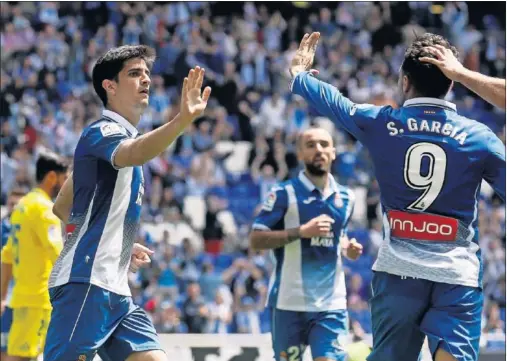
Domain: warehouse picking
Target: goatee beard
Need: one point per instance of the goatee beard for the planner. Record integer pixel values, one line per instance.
(314, 170)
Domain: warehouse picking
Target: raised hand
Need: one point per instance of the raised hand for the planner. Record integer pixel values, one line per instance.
(303, 59)
(445, 61)
(193, 102)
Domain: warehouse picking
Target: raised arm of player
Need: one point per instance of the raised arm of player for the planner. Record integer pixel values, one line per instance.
(138, 151)
(325, 98)
(490, 89)
(494, 166)
(64, 200)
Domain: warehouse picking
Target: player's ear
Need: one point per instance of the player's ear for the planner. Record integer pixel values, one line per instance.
(405, 84)
(51, 178)
(109, 86)
(333, 154)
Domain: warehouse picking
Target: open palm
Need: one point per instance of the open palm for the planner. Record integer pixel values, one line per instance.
(303, 59)
(193, 102)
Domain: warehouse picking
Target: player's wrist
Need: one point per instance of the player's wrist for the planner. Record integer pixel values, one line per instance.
(293, 234)
(459, 74)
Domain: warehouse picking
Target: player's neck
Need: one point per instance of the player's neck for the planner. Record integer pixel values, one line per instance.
(46, 189)
(132, 116)
(321, 181)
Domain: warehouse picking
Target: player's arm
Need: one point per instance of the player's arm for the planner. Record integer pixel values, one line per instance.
(132, 152)
(49, 232)
(490, 89)
(325, 98)
(64, 200)
(6, 269)
(494, 165)
(350, 247)
(271, 216)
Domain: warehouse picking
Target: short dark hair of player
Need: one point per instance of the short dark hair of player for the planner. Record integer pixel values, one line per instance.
(111, 63)
(47, 162)
(426, 78)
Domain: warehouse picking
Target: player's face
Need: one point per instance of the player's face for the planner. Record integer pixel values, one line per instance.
(316, 151)
(133, 84)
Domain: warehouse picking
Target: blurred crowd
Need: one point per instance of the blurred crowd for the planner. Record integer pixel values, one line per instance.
(202, 194)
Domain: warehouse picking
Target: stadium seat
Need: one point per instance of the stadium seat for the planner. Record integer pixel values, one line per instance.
(194, 208)
(223, 261)
(237, 162)
(226, 219)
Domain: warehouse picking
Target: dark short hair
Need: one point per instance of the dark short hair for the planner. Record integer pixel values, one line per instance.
(111, 63)
(49, 162)
(427, 79)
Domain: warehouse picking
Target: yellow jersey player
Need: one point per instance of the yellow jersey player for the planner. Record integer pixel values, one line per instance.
(5, 229)
(33, 246)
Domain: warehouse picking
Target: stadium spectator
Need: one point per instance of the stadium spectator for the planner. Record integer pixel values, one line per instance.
(195, 311)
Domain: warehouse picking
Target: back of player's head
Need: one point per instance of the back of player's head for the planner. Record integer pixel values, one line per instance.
(111, 63)
(426, 78)
(48, 162)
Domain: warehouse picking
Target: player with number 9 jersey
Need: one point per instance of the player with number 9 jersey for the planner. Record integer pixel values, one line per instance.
(34, 243)
(429, 163)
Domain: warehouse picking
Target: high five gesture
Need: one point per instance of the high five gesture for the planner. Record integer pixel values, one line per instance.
(192, 102)
(303, 59)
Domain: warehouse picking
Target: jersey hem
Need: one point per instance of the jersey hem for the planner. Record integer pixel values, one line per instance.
(417, 275)
(95, 283)
(342, 305)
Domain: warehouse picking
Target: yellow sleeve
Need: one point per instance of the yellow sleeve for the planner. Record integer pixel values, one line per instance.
(49, 231)
(7, 252)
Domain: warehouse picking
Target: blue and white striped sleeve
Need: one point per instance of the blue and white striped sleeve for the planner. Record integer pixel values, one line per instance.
(103, 140)
(273, 211)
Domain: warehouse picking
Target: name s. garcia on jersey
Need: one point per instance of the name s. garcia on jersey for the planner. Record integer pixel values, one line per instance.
(431, 126)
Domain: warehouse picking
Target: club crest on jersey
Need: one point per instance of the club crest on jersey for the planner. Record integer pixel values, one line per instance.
(54, 234)
(110, 129)
(338, 201)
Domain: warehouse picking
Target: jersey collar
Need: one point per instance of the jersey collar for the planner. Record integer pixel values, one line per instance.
(42, 193)
(119, 119)
(333, 186)
(430, 102)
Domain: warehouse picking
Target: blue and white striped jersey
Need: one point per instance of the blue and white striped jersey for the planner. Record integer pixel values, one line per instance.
(429, 162)
(106, 210)
(308, 275)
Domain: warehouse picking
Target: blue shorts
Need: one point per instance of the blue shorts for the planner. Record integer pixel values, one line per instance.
(5, 326)
(293, 331)
(404, 310)
(87, 320)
